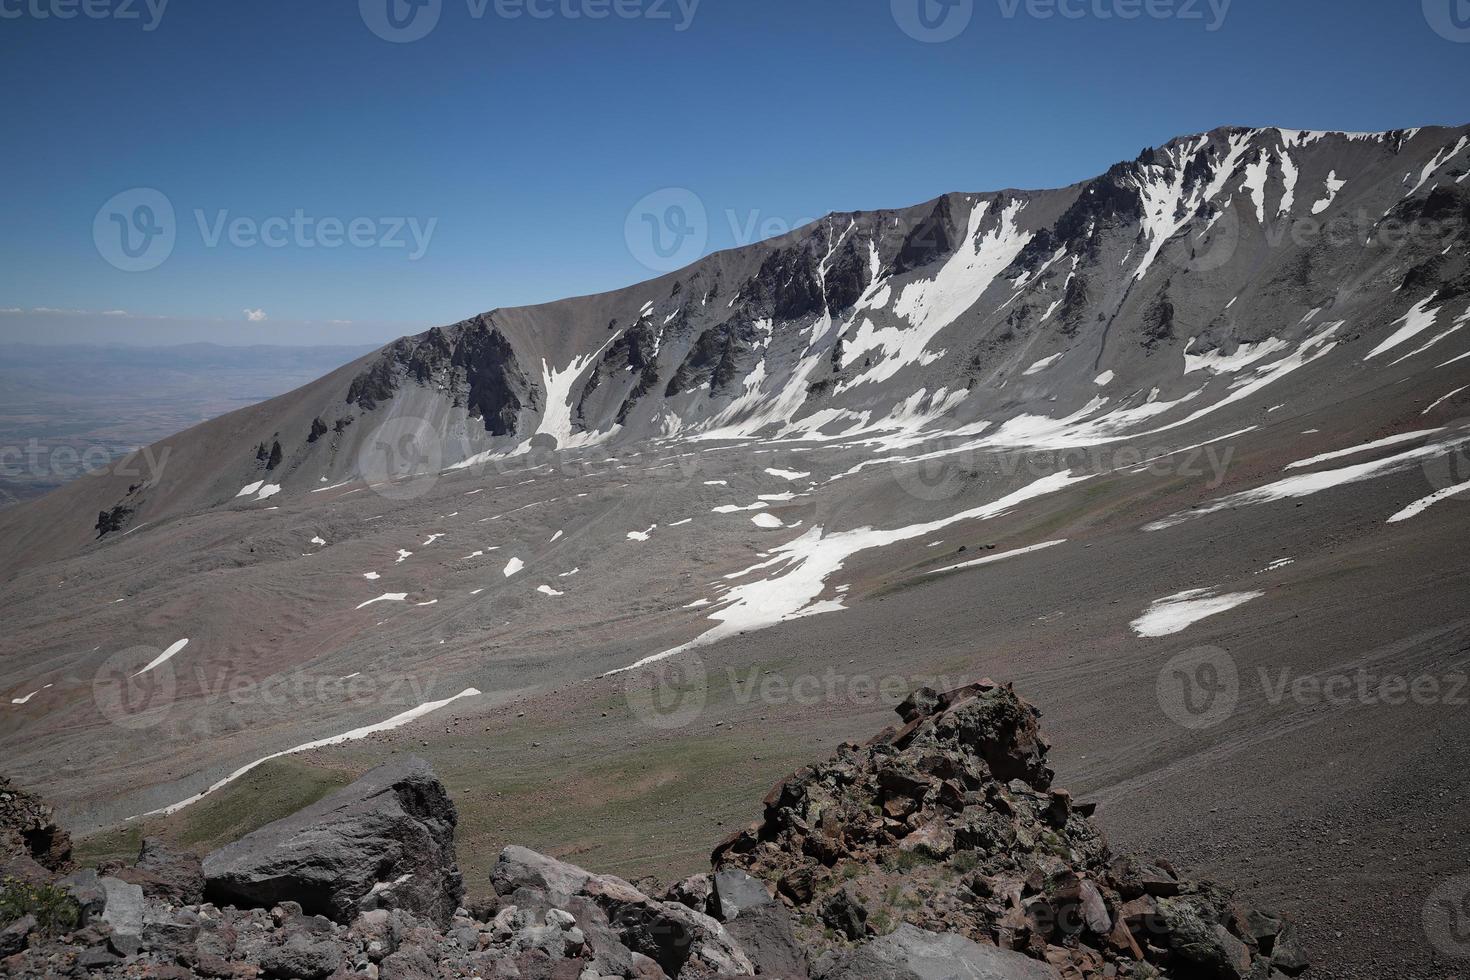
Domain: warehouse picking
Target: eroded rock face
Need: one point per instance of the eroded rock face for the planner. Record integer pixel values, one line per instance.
(28, 829)
(949, 827)
(472, 362)
(386, 841)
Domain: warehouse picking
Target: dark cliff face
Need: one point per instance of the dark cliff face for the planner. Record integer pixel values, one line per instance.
(719, 357)
(787, 286)
(472, 362)
(929, 240)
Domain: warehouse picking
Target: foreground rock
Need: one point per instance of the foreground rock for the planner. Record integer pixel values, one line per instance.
(938, 851)
(386, 841)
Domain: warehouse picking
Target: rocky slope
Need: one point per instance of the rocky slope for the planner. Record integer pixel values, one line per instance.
(939, 849)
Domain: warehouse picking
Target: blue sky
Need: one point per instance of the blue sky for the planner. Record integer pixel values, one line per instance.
(510, 150)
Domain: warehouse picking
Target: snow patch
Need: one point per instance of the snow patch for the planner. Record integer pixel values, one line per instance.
(164, 657)
(1176, 613)
(989, 559)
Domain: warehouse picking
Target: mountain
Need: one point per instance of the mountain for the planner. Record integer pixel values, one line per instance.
(863, 322)
(1179, 449)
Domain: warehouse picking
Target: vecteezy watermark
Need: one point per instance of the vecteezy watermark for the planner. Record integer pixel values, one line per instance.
(132, 696)
(667, 230)
(937, 21)
(668, 694)
(1210, 13)
(138, 689)
(1201, 688)
(933, 21)
(948, 464)
(64, 463)
(402, 459)
(137, 230)
(149, 13)
(1447, 917)
(1449, 18)
(304, 231)
(1210, 239)
(674, 692)
(1448, 472)
(406, 21)
(670, 228)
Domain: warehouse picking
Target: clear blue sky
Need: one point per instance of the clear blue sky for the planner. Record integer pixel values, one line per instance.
(528, 140)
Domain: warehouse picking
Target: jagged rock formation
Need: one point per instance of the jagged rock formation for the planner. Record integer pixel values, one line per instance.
(937, 850)
(949, 824)
(471, 364)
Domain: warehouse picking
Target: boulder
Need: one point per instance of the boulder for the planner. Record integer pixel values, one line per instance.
(15, 936)
(736, 892)
(765, 935)
(165, 873)
(680, 940)
(123, 908)
(910, 953)
(386, 841)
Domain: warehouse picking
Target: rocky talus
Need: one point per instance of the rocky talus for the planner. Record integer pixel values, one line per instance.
(938, 850)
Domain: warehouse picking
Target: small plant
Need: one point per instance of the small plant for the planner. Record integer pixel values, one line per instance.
(966, 861)
(907, 861)
(56, 911)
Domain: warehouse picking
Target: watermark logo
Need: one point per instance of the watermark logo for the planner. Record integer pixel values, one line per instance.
(942, 476)
(130, 696)
(306, 231)
(1451, 468)
(401, 21)
(402, 459)
(406, 21)
(1449, 18)
(1210, 13)
(148, 12)
(669, 694)
(667, 229)
(1207, 242)
(1199, 688)
(135, 231)
(1447, 917)
(933, 21)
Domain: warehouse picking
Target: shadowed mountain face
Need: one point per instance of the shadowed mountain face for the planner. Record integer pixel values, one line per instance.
(1156, 446)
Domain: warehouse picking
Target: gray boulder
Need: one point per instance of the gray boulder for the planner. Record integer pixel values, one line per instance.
(766, 936)
(913, 954)
(386, 841)
(736, 892)
(674, 936)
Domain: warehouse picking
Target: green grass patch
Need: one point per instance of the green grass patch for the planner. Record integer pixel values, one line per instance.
(265, 794)
(114, 844)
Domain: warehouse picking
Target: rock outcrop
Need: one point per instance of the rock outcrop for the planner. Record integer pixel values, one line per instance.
(28, 829)
(949, 825)
(386, 841)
